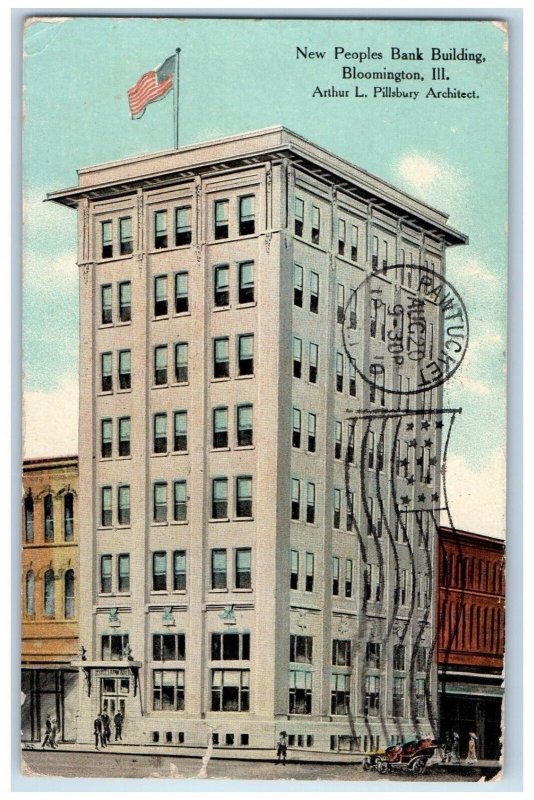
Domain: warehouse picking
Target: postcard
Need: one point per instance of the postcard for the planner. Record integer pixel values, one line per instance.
(263, 491)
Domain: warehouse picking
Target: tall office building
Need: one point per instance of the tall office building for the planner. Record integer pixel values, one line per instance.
(228, 586)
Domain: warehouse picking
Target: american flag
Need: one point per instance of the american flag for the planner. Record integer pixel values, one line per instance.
(151, 86)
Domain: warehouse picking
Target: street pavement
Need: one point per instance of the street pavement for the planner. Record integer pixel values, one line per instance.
(109, 764)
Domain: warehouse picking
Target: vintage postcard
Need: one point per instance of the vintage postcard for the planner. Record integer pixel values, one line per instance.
(263, 490)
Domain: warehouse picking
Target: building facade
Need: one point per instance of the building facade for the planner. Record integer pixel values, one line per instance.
(227, 593)
(470, 654)
(50, 577)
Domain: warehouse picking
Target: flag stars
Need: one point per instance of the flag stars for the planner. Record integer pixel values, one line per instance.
(420, 461)
(439, 423)
(410, 480)
(409, 426)
(405, 500)
(435, 497)
(421, 498)
(432, 461)
(412, 443)
(425, 425)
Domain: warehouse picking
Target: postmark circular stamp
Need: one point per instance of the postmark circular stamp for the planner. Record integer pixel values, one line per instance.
(405, 341)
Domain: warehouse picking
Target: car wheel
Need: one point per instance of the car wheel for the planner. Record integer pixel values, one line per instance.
(366, 764)
(382, 767)
(418, 766)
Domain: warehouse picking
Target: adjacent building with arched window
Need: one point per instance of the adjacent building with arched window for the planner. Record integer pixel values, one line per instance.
(50, 578)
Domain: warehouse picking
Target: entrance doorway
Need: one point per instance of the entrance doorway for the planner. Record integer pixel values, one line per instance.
(113, 695)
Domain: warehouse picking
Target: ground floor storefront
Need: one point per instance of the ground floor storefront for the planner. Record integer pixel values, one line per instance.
(473, 705)
(49, 692)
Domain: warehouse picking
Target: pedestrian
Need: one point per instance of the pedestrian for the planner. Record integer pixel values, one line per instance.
(281, 751)
(117, 721)
(472, 748)
(48, 732)
(456, 746)
(97, 729)
(106, 728)
(53, 734)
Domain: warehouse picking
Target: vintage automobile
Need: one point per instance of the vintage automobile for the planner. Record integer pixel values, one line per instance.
(412, 756)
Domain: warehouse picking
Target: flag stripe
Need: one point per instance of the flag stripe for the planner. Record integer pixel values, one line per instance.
(151, 86)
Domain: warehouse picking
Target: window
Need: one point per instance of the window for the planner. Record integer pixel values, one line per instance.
(160, 296)
(348, 577)
(377, 371)
(182, 225)
(106, 438)
(354, 243)
(297, 357)
(420, 697)
(310, 503)
(124, 505)
(338, 439)
(399, 656)
(341, 228)
(180, 431)
(49, 594)
(340, 303)
(168, 690)
(221, 360)
(125, 236)
(106, 229)
(123, 572)
(160, 230)
(296, 428)
(300, 692)
(220, 427)
(243, 568)
(314, 292)
(295, 498)
(350, 508)
(243, 507)
(350, 442)
(168, 647)
(298, 283)
(181, 292)
(352, 306)
(114, 646)
(421, 659)
(402, 590)
(335, 576)
(221, 287)
(30, 593)
(159, 572)
(370, 450)
(372, 695)
(180, 501)
(230, 689)
(294, 581)
(310, 559)
(107, 307)
(246, 216)
(341, 653)
(180, 362)
(125, 369)
(221, 219)
(246, 282)
(339, 693)
(28, 518)
(125, 301)
(299, 216)
(339, 372)
(380, 453)
(375, 583)
(312, 426)
(105, 574)
(244, 426)
(106, 517)
(301, 649)
(160, 502)
(179, 571)
(385, 254)
(316, 225)
(337, 508)
(230, 646)
(374, 260)
(160, 433)
(107, 372)
(124, 436)
(160, 365)
(245, 354)
(372, 655)
(218, 569)
(68, 516)
(219, 498)
(352, 379)
(398, 696)
(314, 362)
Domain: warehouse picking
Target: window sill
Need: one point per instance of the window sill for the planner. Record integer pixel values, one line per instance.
(159, 524)
(244, 377)
(181, 383)
(179, 453)
(122, 323)
(242, 519)
(215, 309)
(179, 591)
(105, 394)
(159, 455)
(243, 591)
(220, 380)
(218, 591)
(123, 458)
(123, 527)
(124, 257)
(159, 592)
(155, 250)
(160, 316)
(219, 449)
(160, 386)
(221, 519)
(252, 304)
(232, 239)
(244, 447)
(179, 522)
(105, 325)
(124, 391)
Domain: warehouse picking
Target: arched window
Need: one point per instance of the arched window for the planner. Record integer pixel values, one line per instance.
(30, 593)
(69, 594)
(28, 518)
(68, 516)
(49, 518)
(49, 594)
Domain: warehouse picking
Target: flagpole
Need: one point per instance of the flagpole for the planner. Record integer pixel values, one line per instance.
(176, 97)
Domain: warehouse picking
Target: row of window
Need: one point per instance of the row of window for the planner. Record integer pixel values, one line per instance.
(301, 652)
(49, 594)
(471, 572)
(312, 302)
(169, 571)
(118, 233)
(67, 503)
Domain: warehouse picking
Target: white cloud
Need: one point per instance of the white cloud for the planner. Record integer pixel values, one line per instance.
(62, 271)
(50, 421)
(473, 385)
(477, 498)
(424, 174)
(473, 268)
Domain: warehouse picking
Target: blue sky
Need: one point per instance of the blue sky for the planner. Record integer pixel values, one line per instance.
(239, 75)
